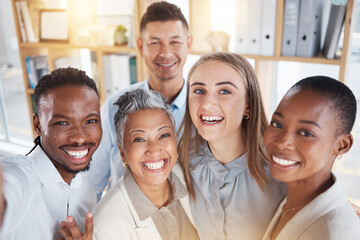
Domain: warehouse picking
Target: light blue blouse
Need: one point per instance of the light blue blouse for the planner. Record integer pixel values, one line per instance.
(229, 203)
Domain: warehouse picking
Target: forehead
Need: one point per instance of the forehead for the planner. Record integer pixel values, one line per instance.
(215, 71)
(159, 29)
(307, 104)
(148, 119)
(69, 99)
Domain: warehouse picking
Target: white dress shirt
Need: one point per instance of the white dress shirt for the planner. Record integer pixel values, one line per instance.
(38, 199)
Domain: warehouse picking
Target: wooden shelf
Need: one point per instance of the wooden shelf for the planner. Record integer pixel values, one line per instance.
(105, 49)
(317, 59)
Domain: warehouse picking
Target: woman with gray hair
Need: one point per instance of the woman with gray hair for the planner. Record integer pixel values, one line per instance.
(150, 201)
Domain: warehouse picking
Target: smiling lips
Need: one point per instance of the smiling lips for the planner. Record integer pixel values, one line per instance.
(77, 154)
(153, 166)
(211, 119)
(283, 162)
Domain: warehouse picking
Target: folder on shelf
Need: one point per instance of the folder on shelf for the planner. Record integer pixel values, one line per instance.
(309, 34)
(30, 36)
(21, 22)
(116, 72)
(242, 37)
(36, 67)
(290, 27)
(254, 26)
(267, 39)
(333, 31)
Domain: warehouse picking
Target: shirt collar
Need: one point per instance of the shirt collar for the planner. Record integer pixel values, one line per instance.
(47, 172)
(180, 99)
(143, 206)
(225, 172)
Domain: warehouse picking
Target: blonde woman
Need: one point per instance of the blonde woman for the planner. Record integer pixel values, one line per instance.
(221, 150)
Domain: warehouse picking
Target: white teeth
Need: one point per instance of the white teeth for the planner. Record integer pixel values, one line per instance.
(156, 165)
(166, 65)
(283, 162)
(77, 154)
(211, 118)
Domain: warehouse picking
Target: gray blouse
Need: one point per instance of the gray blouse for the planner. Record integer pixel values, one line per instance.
(229, 203)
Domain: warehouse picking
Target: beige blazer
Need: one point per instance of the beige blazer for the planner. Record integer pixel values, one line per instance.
(116, 218)
(329, 217)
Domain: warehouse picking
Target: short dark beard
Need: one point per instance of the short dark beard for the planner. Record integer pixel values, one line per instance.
(77, 171)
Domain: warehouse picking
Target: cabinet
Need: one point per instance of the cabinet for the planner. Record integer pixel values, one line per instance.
(200, 26)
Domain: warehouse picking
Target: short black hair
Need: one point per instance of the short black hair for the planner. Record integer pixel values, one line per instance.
(162, 11)
(62, 77)
(341, 97)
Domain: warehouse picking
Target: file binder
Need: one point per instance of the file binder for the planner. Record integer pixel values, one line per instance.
(242, 37)
(116, 72)
(290, 27)
(254, 26)
(309, 34)
(267, 39)
(333, 31)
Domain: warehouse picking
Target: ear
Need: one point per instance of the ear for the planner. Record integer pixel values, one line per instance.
(36, 124)
(122, 153)
(344, 144)
(189, 43)
(140, 44)
(247, 109)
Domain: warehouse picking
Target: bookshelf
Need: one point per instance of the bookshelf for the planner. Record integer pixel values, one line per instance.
(200, 26)
(265, 66)
(55, 50)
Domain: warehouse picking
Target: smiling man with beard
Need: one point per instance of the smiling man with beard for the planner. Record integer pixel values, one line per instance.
(45, 187)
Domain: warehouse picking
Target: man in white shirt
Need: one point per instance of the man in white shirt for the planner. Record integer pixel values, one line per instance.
(164, 45)
(42, 189)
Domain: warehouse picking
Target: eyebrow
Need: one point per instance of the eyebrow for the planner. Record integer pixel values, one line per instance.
(158, 38)
(197, 83)
(66, 117)
(142, 131)
(300, 121)
(224, 83)
(163, 128)
(217, 84)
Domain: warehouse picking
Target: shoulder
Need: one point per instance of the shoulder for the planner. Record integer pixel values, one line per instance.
(340, 223)
(112, 207)
(19, 167)
(112, 215)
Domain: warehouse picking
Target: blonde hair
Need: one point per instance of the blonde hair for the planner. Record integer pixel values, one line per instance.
(253, 128)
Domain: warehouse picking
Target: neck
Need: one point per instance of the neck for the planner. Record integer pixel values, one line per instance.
(169, 89)
(228, 149)
(300, 193)
(157, 194)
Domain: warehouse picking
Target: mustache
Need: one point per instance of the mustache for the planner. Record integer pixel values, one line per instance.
(91, 144)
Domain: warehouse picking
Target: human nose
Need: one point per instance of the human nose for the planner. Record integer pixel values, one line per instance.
(153, 147)
(165, 49)
(209, 100)
(284, 141)
(78, 135)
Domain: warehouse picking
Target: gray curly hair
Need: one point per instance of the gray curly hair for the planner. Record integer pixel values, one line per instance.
(133, 101)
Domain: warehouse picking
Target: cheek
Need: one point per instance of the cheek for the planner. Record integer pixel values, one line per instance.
(193, 107)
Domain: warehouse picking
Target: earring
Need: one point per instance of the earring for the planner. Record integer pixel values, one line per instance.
(246, 116)
(125, 164)
(339, 156)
